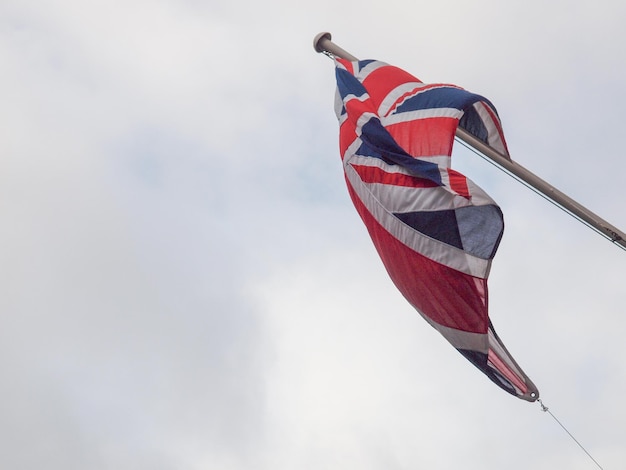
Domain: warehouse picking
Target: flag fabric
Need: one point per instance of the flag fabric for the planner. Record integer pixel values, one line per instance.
(434, 229)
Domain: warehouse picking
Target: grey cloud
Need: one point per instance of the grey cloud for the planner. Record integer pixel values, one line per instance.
(185, 283)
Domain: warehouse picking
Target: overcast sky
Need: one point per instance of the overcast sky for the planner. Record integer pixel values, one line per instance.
(184, 283)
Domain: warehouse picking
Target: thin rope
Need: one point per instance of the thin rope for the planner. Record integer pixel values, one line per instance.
(536, 191)
(544, 408)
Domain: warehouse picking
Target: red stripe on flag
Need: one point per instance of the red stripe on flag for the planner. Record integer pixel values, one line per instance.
(347, 135)
(347, 64)
(444, 295)
(511, 376)
(385, 79)
(425, 137)
(458, 183)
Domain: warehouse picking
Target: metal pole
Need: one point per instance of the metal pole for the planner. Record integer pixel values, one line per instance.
(322, 43)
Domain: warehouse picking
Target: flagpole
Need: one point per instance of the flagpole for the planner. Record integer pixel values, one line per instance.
(322, 43)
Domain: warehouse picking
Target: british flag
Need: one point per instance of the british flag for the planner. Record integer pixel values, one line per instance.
(434, 229)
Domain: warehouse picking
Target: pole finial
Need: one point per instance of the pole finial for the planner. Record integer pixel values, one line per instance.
(322, 43)
(319, 40)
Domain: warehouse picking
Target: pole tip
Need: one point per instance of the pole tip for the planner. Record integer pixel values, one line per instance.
(317, 41)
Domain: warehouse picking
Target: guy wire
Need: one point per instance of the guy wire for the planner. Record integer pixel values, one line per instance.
(546, 409)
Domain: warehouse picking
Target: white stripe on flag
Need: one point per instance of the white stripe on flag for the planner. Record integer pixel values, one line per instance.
(422, 114)
(435, 250)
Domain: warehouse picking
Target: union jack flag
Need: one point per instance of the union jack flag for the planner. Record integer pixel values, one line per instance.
(434, 229)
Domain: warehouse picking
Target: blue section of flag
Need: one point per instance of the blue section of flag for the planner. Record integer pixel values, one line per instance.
(481, 229)
(440, 97)
(348, 85)
(473, 124)
(440, 225)
(474, 229)
(382, 145)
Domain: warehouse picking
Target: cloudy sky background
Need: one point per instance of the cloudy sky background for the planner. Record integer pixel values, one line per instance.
(184, 283)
